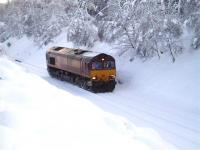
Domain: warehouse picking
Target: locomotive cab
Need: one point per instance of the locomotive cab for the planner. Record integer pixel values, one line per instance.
(103, 72)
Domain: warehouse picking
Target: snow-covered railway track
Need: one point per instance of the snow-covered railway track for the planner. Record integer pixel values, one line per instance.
(159, 112)
(149, 118)
(139, 114)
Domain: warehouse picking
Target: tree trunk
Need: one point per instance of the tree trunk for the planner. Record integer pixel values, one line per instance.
(180, 11)
(171, 51)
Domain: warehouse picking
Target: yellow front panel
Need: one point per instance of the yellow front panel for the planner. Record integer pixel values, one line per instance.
(102, 75)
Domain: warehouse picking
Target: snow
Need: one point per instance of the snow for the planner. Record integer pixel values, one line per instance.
(2, 24)
(37, 115)
(90, 54)
(164, 96)
(155, 100)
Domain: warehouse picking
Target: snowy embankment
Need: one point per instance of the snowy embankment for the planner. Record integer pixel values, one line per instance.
(36, 115)
(160, 95)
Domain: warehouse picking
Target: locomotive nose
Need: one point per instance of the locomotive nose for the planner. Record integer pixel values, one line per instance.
(103, 75)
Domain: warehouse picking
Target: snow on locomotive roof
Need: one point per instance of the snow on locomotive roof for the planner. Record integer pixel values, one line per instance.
(61, 50)
(71, 51)
(90, 54)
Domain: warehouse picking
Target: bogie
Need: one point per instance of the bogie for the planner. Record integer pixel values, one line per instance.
(82, 82)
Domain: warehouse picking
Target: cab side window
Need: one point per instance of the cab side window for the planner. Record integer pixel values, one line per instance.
(52, 60)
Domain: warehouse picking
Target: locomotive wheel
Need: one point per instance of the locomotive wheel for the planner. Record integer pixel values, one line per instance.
(85, 85)
(82, 82)
(82, 85)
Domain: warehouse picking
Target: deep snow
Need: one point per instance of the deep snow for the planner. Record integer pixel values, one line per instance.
(36, 115)
(156, 94)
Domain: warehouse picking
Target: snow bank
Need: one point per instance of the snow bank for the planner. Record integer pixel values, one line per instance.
(36, 115)
(157, 94)
(20, 48)
(174, 84)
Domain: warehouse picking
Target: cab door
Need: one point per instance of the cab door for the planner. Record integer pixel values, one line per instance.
(82, 67)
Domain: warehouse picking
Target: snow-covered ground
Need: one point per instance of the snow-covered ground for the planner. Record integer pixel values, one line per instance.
(158, 95)
(37, 115)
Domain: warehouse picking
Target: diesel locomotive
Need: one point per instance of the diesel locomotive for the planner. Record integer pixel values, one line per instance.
(90, 70)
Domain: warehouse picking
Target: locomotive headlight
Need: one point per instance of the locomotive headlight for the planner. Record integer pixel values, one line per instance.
(94, 78)
(112, 76)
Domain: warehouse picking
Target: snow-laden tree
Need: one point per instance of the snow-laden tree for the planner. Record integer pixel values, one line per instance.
(147, 29)
(142, 28)
(191, 14)
(81, 30)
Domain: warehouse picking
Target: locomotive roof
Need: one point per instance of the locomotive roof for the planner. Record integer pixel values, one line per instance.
(74, 52)
(90, 54)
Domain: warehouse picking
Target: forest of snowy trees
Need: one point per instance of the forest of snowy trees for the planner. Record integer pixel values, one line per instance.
(144, 28)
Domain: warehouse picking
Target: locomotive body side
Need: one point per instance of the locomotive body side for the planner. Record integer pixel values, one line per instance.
(66, 60)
